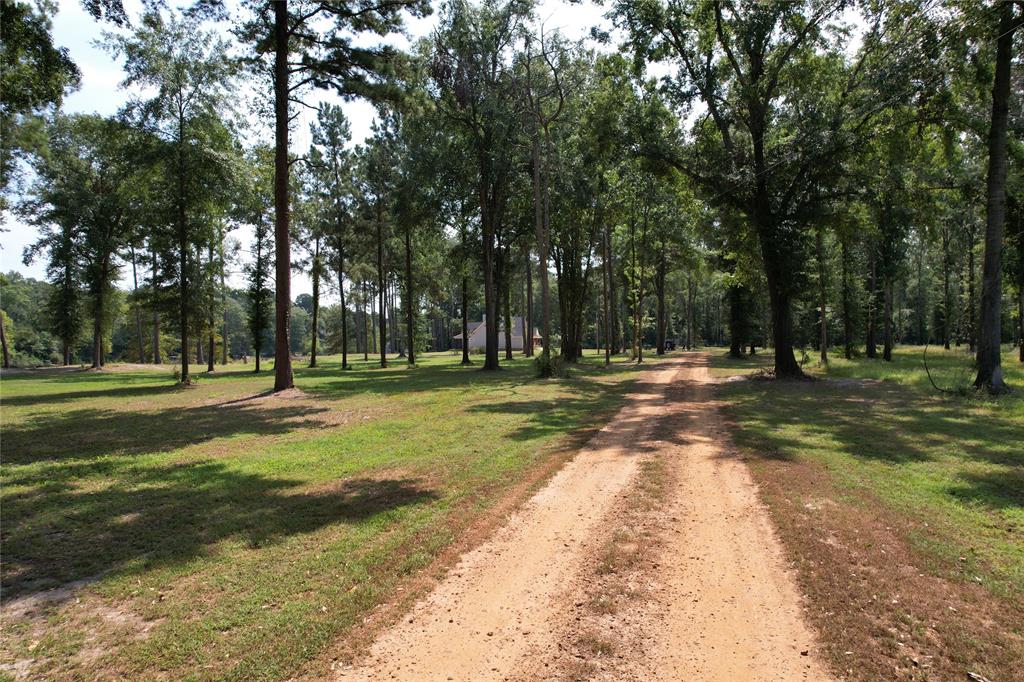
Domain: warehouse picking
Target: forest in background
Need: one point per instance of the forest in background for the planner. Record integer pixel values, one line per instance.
(776, 187)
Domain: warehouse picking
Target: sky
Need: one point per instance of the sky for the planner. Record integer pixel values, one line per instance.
(101, 92)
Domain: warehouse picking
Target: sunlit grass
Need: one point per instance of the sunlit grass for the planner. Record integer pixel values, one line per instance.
(884, 435)
(246, 535)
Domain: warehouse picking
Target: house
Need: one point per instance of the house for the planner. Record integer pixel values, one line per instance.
(478, 335)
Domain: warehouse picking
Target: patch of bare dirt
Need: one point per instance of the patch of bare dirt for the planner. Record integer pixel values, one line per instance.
(498, 605)
(880, 609)
(648, 556)
(70, 607)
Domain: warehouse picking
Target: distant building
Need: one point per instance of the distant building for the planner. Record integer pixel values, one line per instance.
(478, 335)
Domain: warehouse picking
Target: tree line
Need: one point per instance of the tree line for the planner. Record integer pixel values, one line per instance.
(813, 173)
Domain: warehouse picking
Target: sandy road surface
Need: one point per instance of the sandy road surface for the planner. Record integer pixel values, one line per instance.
(722, 604)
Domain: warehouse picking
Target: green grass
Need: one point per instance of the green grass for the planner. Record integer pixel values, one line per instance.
(952, 465)
(246, 536)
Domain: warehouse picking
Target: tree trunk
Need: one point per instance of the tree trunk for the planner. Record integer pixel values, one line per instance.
(465, 321)
(282, 256)
(947, 303)
(528, 309)
(887, 330)
(606, 280)
(971, 326)
(97, 331)
(157, 359)
(736, 321)
(1020, 323)
(989, 362)
(847, 302)
(138, 309)
(315, 322)
(776, 272)
(508, 316)
(660, 293)
(344, 309)
(780, 298)
(487, 218)
(542, 251)
(367, 323)
(381, 288)
(922, 297)
(183, 251)
(212, 342)
(871, 344)
(223, 302)
(6, 351)
(375, 316)
(410, 311)
(822, 294)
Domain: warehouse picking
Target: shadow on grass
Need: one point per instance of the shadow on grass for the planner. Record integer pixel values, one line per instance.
(591, 400)
(53, 536)
(86, 433)
(82, 506)
(884, 423)
(67, 396)
(997, 490)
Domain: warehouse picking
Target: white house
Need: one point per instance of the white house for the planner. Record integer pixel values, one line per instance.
(478, 335)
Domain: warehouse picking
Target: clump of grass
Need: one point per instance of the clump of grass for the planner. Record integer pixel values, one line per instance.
(270, 527)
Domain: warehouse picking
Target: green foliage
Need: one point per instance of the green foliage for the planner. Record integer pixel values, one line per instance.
(551, 366)
(34, 77)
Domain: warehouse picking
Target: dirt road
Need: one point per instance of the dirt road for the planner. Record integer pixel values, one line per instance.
(703, 594)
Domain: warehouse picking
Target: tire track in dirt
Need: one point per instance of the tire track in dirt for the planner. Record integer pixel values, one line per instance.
(708, 596)
(719, 604)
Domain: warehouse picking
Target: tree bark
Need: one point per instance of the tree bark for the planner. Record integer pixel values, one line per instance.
(6, 351)
(315, 322)
(871, 349)
(344, 309)
(282, 239)
(381, 288)
(97, 331)
(1020, 323)
(606, 277)
(528, 309)
(988, 360)
(822, 294)
(138, 309)
(507, 295)
(490, 298)
(736, 321)
(660, 293)
(847, 302)
(183, 251)
(212, 342)
(972, 334)
(410, 312)
(157, 359)
(223, 302)
(465, 321)
(947, 303)
(887, 330)
(542, 250)
(367, 323)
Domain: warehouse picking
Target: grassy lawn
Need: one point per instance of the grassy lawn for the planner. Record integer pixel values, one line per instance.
(902, 508)
(217, 533)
